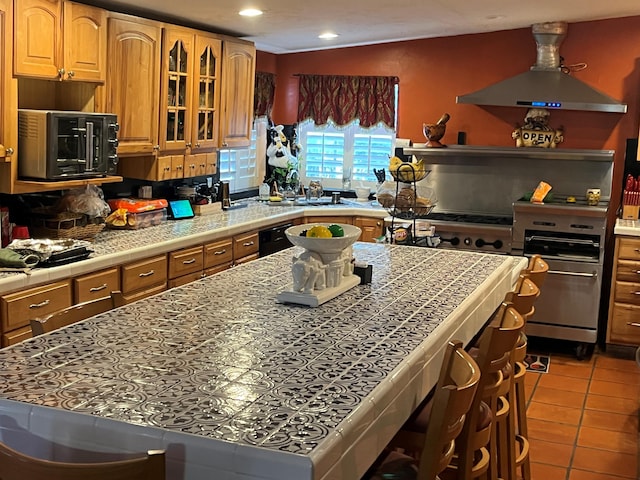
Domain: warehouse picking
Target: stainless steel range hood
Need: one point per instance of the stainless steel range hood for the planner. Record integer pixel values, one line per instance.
(545, 85)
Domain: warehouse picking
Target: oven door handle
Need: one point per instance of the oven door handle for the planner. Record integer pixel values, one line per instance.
(573, 274)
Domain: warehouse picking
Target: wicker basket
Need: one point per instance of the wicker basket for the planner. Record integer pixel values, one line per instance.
(47, 224)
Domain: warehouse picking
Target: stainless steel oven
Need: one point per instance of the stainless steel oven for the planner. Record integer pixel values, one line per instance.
(571, 239)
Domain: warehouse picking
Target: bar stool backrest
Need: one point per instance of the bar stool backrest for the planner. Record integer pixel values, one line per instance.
(18, 466)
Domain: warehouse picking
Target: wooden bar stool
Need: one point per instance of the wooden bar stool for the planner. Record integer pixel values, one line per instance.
(516, 433)
(537, 270)
(473, 457)
(15, 465)
(75, 313)
(454, 394)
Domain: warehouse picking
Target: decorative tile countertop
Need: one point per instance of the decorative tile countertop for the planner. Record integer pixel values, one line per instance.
(627, 227)
(112, 247)
(235, 385)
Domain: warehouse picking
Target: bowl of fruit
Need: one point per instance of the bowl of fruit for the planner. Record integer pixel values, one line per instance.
(323, 237)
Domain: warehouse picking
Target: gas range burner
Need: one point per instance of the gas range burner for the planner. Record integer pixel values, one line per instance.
(470, 218)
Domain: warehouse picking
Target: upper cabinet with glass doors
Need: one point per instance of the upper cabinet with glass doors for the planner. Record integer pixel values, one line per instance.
(177, 80)
(190, 91)
(207, 93)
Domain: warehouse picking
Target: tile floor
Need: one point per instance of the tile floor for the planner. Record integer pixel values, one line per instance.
(583, 417)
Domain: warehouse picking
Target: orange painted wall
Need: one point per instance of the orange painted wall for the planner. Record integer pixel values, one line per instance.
(433, 71)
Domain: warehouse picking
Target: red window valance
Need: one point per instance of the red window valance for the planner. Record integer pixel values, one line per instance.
(344, 99)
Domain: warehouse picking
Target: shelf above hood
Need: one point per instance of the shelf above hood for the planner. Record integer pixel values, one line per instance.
(545, 85)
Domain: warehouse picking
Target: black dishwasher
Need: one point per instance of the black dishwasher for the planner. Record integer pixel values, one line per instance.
(273, 240)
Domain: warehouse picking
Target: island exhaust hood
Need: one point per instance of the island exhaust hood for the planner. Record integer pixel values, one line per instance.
(545, 85)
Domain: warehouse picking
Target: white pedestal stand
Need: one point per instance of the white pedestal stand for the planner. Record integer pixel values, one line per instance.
(319, 277)
(318, 297)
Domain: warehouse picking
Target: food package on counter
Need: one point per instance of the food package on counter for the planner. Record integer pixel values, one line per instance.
(540, 192)
(137, 205)
(125, 220)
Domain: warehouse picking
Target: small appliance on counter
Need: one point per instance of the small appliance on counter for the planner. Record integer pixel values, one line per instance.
(62, 145)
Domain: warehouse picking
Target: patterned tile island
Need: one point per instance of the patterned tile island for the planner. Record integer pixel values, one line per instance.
(236, 386)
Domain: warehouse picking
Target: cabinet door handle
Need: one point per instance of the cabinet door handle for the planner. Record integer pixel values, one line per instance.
(220, 252)
(633, 324)
(40, 305)
(8, 151)
(61, 73)
(635, 271)
(188, 144)
(247, 244)
(97, 289)
(637, 250)
(188, 262)
(71, 73)
(147, 274)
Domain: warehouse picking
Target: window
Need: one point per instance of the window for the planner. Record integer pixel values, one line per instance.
(239, 166)
(330, 152)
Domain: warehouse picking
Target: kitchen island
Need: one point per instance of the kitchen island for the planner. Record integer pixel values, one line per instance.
(235, 385)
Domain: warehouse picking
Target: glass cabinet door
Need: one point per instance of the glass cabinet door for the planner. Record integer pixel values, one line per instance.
(206, 121)
(177, 86)
(177, 75)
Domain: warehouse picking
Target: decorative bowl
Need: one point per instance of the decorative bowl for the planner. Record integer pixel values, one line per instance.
(434, 132)
(323, 245)
(362, 193)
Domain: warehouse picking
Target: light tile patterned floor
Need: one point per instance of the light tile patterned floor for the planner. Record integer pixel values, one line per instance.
(583, 418)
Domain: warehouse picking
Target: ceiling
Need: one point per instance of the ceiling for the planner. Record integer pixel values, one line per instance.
(289, 26)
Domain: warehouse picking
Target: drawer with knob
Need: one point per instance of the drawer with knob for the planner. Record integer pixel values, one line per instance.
(629, 248)
(96, 285)
(218, 253)
(19, 307)
(186, 261)
(143, 274)
(244, 245)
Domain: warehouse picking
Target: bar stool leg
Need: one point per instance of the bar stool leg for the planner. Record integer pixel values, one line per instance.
(522, 433)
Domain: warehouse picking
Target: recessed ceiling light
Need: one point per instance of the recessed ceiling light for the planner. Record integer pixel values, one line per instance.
(250, 12)
(328, 35)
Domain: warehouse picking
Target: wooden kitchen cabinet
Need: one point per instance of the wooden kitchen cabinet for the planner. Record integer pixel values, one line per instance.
(8, 100)
(96, 285)
(238, 79)
(17, 309)
(206, 94)
(186, 261)
(321, 219)
(133, 82)
(176, 88)
(188, 125)
(218, 254)
(372, 228)
(144, 278)
(624, 303)
(56, 39)
(245, 247)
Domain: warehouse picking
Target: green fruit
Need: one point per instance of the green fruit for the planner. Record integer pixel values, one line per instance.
(336, 230)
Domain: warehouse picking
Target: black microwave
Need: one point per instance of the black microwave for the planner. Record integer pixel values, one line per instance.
(63, 145)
